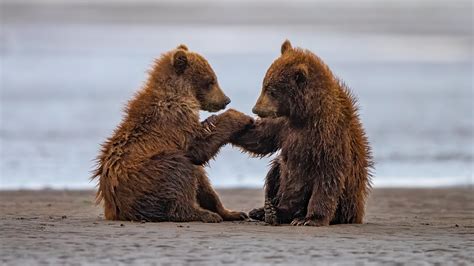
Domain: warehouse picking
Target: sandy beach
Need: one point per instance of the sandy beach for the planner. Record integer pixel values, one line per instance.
(413, 226)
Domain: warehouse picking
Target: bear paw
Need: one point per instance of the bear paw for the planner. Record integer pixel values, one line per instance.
(298, 221)
(257, 214)
(209, 124)
(210, 217)
(240, 120)
(235, 216)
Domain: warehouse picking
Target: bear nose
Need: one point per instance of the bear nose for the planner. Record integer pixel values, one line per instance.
(254, 110)
(227, 101)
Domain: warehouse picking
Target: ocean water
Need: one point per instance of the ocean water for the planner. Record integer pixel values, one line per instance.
(65, 80)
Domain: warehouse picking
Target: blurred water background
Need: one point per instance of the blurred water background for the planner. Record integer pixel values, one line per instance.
(68, 67)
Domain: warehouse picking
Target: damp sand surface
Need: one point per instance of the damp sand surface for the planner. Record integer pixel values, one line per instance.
(401, 225)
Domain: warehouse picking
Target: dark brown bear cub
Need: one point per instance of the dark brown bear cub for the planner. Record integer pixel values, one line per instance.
(322, 174)
(151, 167)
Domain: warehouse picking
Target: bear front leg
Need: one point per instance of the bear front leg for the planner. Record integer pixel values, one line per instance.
(323, 202)
(287, 206)
(216, 132)
(262, 138)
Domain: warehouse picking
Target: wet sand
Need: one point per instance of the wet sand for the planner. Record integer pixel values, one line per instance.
(402, 225)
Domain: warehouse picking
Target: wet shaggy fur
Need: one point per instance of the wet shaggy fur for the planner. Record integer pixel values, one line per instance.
(151, 167)
(322, 174)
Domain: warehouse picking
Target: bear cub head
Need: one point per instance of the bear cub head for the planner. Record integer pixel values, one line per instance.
(195, 72)
(284, 84)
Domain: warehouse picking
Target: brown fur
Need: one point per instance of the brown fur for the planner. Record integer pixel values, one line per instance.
(151, 167)
(322, 174)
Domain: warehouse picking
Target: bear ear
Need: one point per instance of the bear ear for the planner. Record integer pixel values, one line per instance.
(301, 74)
(286, 46)
(179, 61)
(182, 47)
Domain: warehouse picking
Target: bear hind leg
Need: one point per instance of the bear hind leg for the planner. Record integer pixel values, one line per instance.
(209, 200)
(170, 192)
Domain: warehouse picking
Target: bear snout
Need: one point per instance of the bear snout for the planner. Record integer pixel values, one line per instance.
(226, 101)
(254, 110)
(260, 113)
(223, 104)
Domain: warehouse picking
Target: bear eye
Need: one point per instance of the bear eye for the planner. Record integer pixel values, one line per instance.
(210, 84)
(271, 91)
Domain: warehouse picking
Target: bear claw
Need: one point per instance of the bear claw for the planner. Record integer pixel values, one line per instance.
(209, 124)
(316, 223)
(298, 221)
(308, 222)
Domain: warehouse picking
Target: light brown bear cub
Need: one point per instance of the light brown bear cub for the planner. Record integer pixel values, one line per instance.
(151, 167)
(322, 174)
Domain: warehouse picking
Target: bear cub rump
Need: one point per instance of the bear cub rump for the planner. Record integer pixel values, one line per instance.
(322, 174)
(151, 168)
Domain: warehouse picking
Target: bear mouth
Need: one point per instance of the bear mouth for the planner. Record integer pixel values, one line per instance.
(266, 114)
(213, 107)
(265, 111)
